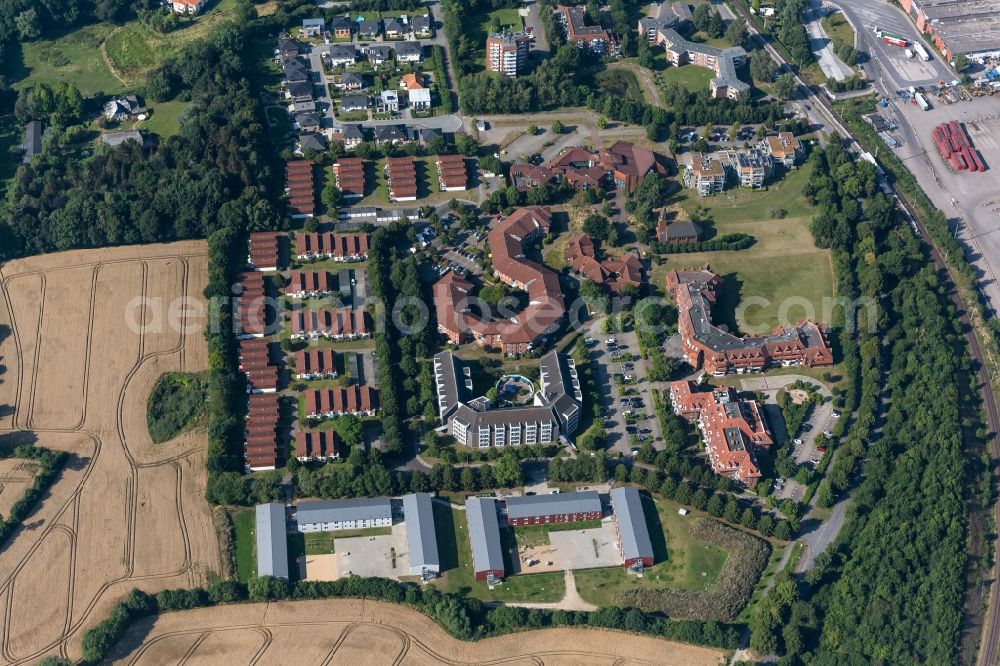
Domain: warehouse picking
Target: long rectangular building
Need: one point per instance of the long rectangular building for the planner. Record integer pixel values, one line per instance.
(316, 445)
(630, 525)
(421, 537)
(484, 538)
(342, 324)
(315, 364)
(350, 172)
(349, 514)
(967, 27)
(310, 284)
(333, 402)
(326, 245)
(724, 62)
(558, 508)
(272, 542)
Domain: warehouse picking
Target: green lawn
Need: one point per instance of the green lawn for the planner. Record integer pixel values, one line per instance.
(456, 564)
(784, 266)
(692, 77)
(244, 525)
(838, 29)
(165, 119)
(74, 57)
(681, 561)
(531, 536)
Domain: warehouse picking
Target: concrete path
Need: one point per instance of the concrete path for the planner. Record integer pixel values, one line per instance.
(821, 44)
(572, 600)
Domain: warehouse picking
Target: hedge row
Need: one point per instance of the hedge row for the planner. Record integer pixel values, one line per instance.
(50, 464)
(726, 242)
(462, 617)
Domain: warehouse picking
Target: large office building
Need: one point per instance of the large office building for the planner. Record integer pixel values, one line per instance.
(545, 310)
(967, 27)
(272, 547)
(719, 352)
(473, 422)
(484, 538)
(557, 508)
(421, 539)
(349, 514)
(681, 51)
(630, 525)
(732, 428)
(507, 52)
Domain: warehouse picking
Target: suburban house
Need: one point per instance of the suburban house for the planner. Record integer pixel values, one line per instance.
(262, 251)
(421, 537)
(306, 122)
(390, 134)
(484, 538)
(350, 81)
(326, 245)
(401, 173)
(312, 28)
(349, 514)
(413, 81)
(341, 55)
(316, 142)
(452, 174)
(630, 526)
(558, 508)
(315, 364)
(679, 232)
(369, 28)
(272, 540)
(295, 70)
(350, 173)
(188, 6)
(32, 143)
(421, 25)
(409, 52)
(420, 99)
(304, 106)
(393, 28)
(287, 48)
(387, 102)
(299, 91)
(342, 324)
(260, 436)
(310, 284)
(378, 54)
(301, 188)
(121, 108)
(341, 27)
(352, 103)
(428, 134)
(255, 362)
(334, 402)
(316, 445)
(351, 135)
(704, 174)
(706, 345)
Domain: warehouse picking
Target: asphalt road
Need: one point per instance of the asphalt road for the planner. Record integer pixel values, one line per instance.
(821, 44)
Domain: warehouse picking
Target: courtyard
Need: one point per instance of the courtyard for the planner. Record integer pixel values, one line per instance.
(562, 548)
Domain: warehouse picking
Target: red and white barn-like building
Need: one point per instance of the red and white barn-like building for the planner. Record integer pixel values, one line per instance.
(732, 428)
(333, 402)
(325, 245)
(255, 362)
(316, 445)
(262, 251)
(343, 324)
(315, 364)
(310, 284)
(557, 508)
(261, 434)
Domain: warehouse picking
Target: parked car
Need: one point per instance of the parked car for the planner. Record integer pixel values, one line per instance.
(836, 415)
(632, 430)
(610, 341)
(798, 441)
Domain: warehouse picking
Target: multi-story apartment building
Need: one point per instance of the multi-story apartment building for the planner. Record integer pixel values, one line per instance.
(704, 174)
(507, 52)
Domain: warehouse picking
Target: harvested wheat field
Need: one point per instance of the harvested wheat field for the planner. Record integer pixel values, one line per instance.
(81, 354)
(354, 632)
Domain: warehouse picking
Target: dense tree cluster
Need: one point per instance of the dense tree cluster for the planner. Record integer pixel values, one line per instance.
(50, 464)
(856, 82)
(790, 30)
(210, 176)
(732, 242)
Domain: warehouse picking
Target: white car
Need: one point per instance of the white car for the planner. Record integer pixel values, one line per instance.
(836, 415)
(798, 441)
(610, 341)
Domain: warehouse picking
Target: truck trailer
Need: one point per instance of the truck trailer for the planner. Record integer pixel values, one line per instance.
(921, 51)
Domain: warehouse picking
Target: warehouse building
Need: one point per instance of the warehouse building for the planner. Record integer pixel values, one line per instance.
(557, 508)
(421, 537)
(349, 514)
(969, 27)
(484, 537)
(630, 524)
(272, 547)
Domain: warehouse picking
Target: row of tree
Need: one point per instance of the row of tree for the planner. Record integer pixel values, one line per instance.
(49, 466)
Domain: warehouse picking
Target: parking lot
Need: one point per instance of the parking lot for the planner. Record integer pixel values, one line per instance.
(572, 549)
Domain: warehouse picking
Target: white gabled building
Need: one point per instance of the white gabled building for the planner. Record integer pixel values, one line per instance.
(349, 514)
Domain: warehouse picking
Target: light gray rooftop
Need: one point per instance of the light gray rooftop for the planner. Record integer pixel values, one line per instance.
(631, 519)
(484, 534)
(335, 511)
(272, 548)
(421, 540)
(529, 506)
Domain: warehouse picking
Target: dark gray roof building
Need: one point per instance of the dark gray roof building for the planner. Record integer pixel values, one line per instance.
(312, 142)
(484, 537)
(421, 24)
(32, 144)
(533, 506)
(390, 133)
(369, 28)
(272, 547)
(341, 511)
(421, 537)
(633, 535)
(354, 102)
(300, 90)
(409, 51)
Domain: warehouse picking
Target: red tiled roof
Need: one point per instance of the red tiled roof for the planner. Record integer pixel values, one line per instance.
(310, 282)
(315, 361)
(317, 444)
(347, 400)
(330, 322)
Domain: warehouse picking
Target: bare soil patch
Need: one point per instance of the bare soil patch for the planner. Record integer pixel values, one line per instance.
(348, 631)
(79, 368)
